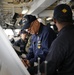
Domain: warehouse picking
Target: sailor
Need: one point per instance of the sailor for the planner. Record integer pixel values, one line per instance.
(61, 53)
(41, 39)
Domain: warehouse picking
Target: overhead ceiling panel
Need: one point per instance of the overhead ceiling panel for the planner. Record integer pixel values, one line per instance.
(40, 5)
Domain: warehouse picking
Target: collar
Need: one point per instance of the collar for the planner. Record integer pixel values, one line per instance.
(65, 28)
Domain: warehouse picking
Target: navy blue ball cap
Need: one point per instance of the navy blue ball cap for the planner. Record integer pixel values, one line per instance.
(23, 32)
(63, 12)
(28, 20)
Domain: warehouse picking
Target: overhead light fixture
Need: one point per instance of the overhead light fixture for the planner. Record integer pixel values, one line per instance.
(25, 10)
(64, 2)
(49, 18)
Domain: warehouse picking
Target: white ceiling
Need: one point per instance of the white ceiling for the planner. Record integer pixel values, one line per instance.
(40, 5)
(36, 7)
(40, 8)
